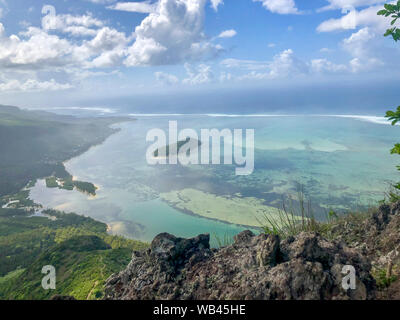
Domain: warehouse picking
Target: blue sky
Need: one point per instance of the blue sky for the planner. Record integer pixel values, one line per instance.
(69, 53)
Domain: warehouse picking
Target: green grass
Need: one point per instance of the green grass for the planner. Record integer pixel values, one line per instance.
(383, 280)
(293, 218)
(79, 247)
(82, 265)
(297, 216)
(11, 276)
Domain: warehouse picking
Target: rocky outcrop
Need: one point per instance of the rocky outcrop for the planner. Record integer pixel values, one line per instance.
(253, 267)
(377, 237)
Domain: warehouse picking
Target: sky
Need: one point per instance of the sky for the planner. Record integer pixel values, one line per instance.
(161, 54)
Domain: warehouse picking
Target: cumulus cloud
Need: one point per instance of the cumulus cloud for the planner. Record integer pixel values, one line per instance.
(354, 19)
(108, 48)
(285, 64)
(227, 34)
(36, 50)
(343, 4)
(173, 34)
(282, 65)
(83, 25)
(140, 7)
(280, 6)
(326, 66)
(366, 54)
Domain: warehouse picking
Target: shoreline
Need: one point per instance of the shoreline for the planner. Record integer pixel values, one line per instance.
(191, 213)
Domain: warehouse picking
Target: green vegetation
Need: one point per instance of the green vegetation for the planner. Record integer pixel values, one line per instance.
(85, 187)
(69, 184)
(392, 10)
(383, 279)
(296, 217)
(80, 249)
(34, 144)
(51, 182)
(289, 224)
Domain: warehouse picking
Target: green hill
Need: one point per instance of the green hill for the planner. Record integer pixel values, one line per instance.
(83, 254)
(34, 144)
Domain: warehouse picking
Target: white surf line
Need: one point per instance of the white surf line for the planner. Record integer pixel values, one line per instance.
(373, 119)
(221, 115)
(369, 118)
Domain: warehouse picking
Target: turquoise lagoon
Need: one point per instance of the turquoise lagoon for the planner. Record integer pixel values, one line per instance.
(343, 163)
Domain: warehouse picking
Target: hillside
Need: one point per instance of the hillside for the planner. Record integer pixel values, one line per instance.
(80, 249)
(34, 144)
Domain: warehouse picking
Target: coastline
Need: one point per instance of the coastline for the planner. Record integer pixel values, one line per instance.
(74, 177)
(244, 212)
(193, 214)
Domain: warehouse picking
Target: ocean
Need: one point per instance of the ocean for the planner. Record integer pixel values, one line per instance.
(341, 162)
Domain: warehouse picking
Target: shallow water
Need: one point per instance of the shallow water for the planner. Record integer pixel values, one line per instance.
(343, 163)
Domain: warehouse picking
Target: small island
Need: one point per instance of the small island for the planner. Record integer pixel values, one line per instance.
(70, 184)
(166, 150)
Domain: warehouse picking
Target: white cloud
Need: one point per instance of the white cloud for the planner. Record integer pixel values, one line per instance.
(346, 4)
(216, 3)
(84, 25)
(244, 64)
(365, 52)
(285, 64)
(271, 45)
(32, 85)
(227, 34)
(108, 47)
(140, 7)
(37, 50)
(200, 75)
(101, 1)
(324, 65)
(166, 78)
(173, 34)
(354, 19)
(280, 6)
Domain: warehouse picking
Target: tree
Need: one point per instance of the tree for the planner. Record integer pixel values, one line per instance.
(393, 10)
